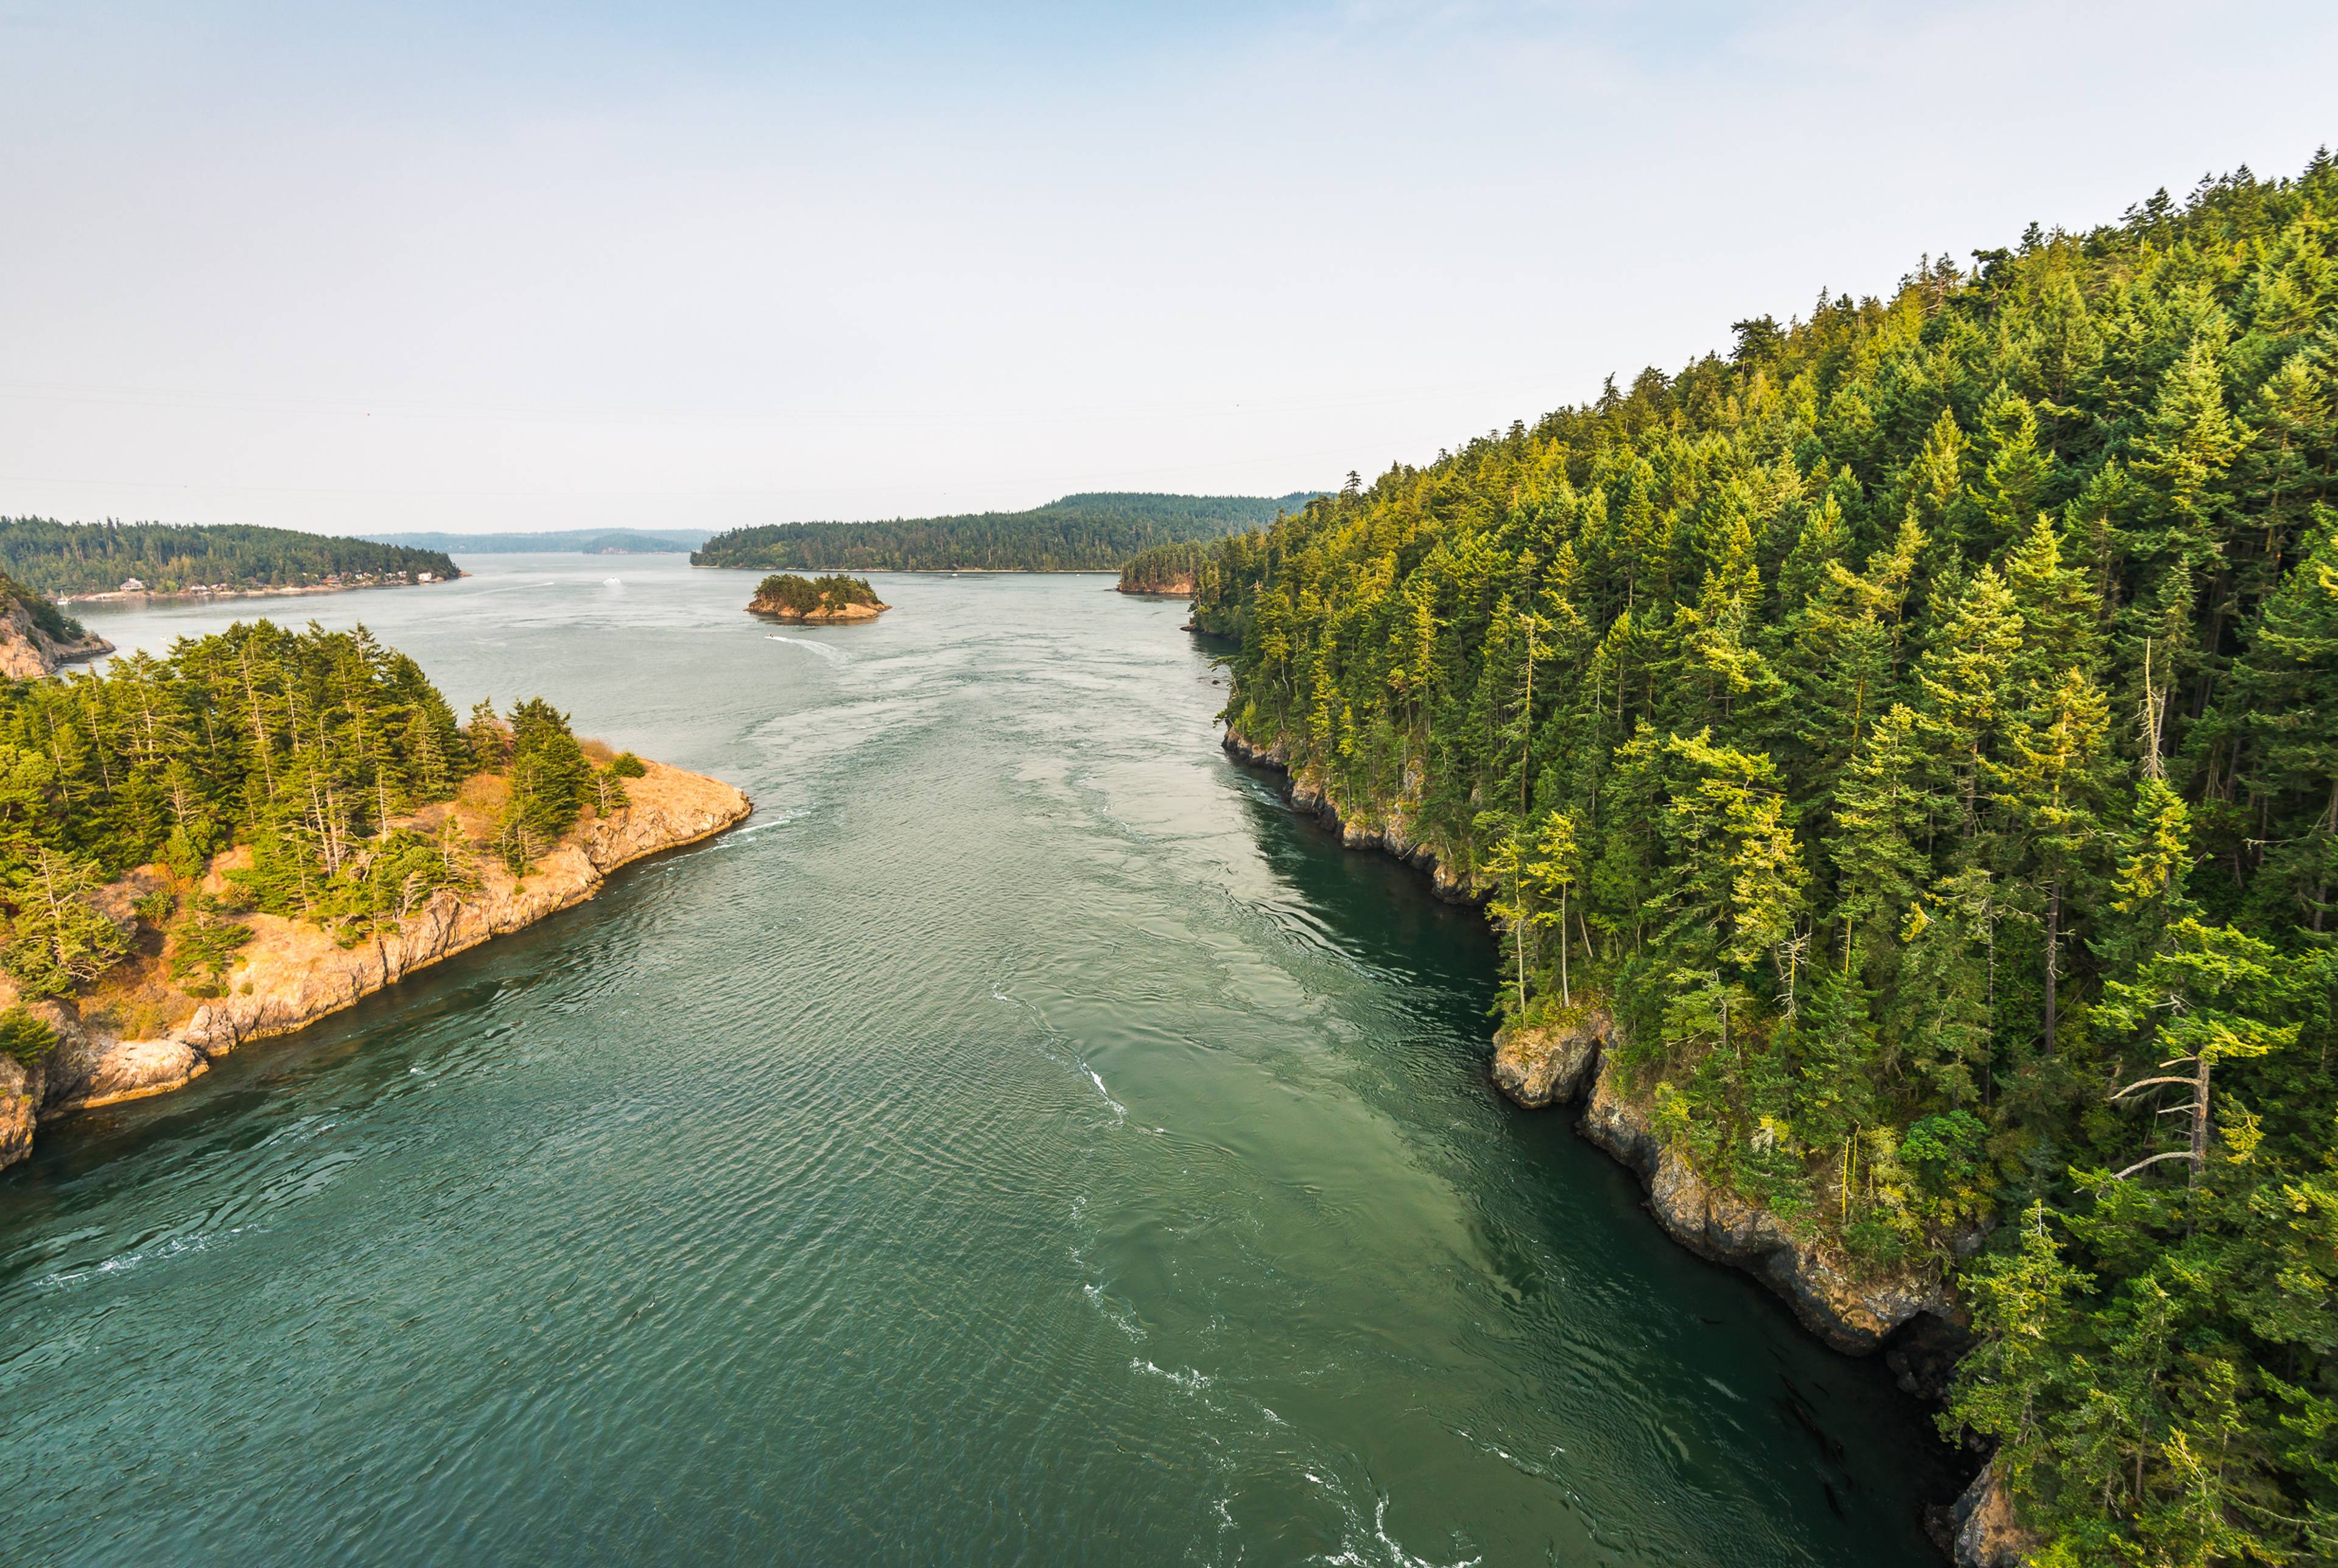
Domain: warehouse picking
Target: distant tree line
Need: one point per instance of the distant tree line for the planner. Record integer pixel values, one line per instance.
(71, 558)
(1920, 727)
(568, 541)
(1089, 533)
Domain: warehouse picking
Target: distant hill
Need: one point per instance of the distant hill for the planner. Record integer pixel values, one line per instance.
(79, 558)
(571, 540)
(1091, 532)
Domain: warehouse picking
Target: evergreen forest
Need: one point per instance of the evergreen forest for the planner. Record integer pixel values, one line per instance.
(1093, 533)
(1165, 569)
(1918, 727)
(315, 749)
(71, 558)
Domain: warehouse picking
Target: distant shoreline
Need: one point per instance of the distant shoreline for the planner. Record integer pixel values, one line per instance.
(286, 590)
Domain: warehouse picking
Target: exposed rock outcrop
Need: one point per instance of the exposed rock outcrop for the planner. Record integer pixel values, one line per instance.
(1550, 1065)
(1985, 1531)
(1167, 585)
(293, 973)
(816, 601)
(29, 650)
(20, 1107)
(1852, 1313)
(823, 617)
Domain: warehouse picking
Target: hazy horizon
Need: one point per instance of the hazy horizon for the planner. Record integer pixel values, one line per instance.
(424, 268)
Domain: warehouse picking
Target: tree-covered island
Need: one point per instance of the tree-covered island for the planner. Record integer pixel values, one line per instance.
(816, 601)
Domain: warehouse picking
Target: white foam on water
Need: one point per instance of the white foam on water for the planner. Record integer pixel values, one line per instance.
(780, 821)
(1390, 1551)
(1190, 1381)
(1119, 1111)
(124, 1262)
(1114, 1312)
(833, 655)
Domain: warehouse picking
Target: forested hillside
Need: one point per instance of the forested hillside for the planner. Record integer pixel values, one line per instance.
(65, 558)
(1077, 533)
(1920, 727)
(313, 749)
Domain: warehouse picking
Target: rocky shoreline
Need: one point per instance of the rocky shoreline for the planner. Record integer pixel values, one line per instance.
(27, 651)
(818, 617)
(1392, 837)
(294, 974)
(1561, 1064)
(261, 591)
(1913, 1319)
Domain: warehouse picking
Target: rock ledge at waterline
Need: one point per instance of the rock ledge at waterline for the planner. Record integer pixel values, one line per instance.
(1556, 1064)
(1853, 1312)
(1394, 836)
(294, 974)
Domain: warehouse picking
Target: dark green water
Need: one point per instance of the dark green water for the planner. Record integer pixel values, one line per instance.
(1025, 1142)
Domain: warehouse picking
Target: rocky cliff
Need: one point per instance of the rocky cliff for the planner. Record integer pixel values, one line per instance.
(1982, 1529)
(1853, 1311)
(30, 650)
(822, 617)
(293, 973)
(1913, 1318)
(1163, 585)
(1557, 1066)
(1392, 833)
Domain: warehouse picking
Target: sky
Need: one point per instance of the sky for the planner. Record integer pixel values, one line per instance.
(476, 266)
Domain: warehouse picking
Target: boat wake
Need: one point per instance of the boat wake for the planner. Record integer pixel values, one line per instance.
(833, 655)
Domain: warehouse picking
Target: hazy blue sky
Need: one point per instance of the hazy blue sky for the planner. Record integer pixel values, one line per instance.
(467, 266)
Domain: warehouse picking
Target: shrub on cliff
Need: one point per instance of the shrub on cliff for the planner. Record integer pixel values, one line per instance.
(203, 946)
(24, 1037)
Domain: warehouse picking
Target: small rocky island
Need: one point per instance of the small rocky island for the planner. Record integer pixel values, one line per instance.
(816, 601)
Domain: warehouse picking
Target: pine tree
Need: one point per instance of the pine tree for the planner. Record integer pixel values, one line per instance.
(59, 940)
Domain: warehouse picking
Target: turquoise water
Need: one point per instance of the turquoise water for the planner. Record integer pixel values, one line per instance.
(1024, 1141)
